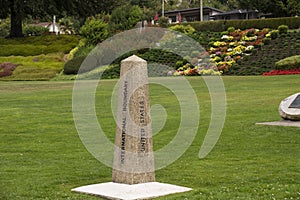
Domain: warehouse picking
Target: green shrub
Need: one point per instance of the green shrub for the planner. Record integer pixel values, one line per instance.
(34, 30)
(72, 52)
(230, 29)
(72, 66)
(83, 50)
(188, 29)
(112, 71)
(4, 27)
(274, 34)
(288, 63)
(225, 33)
(283, 29)
(163, 22)
(94, 31)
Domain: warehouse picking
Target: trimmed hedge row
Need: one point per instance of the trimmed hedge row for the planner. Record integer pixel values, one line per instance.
(222, 25)
(288, 63)
(30, 46)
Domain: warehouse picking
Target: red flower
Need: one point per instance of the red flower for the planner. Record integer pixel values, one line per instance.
(282, 72)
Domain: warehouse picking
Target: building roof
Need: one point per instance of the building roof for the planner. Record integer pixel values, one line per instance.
(193, 9)
(232, 12)
(44, 24)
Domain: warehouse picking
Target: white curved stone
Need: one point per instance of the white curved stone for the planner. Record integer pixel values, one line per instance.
(288, 112)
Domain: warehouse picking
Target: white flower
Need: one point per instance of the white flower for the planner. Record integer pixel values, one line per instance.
(225, 37)
(249, 48)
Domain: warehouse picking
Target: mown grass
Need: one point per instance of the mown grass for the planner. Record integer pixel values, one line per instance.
(41, 67)
(42, 156)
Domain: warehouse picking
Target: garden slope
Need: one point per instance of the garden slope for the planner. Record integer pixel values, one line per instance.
(35, 58)
(284, 46)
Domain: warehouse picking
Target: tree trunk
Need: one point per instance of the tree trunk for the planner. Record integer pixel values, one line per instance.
(16, 21)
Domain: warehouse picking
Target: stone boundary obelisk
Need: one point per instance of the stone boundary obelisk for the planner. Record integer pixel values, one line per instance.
(133, 173)
(133, 156)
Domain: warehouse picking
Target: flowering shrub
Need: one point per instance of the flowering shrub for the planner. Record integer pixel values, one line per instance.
(282, 72)
(6, 69)
(235, 45)
(189, 70)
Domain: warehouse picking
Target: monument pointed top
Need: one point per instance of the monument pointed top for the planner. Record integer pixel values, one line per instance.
(134, 58)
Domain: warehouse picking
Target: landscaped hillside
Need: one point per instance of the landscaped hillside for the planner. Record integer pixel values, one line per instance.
(261, 57)
(34, 58)
(264, 60)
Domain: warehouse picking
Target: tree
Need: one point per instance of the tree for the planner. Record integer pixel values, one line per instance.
(95, 30)
(293, 7)
(279, 8)
(18, 10)
(125, 17)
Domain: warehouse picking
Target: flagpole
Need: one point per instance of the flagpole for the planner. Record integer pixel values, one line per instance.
(163, 8)
(201, 10)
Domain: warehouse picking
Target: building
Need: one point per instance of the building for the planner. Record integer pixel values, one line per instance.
(209, 13)
(237, 14)
(52, 28)
(192, 14)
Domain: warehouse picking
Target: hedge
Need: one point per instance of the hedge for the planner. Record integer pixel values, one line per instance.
(223, 25)
(72, 66)
(288, 63)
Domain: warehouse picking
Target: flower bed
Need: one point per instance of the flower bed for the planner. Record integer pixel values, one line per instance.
(282, 72)
(189, 70)
(6, 69)
(235, 45)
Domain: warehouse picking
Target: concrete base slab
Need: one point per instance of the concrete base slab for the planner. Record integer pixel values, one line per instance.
(117, 191)
(281, 123)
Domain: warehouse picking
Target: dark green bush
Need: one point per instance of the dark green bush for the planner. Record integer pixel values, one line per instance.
(283, 29)
(35, 30)
(274, 34)
(288, 63)
(113, 71)
(267, 40)
(72, 66)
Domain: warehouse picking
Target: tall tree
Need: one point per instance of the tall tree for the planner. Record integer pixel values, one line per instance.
(293, 7)
(20, 9)
(279, 8)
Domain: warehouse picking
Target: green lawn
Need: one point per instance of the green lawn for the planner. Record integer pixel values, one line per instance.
(42, 156)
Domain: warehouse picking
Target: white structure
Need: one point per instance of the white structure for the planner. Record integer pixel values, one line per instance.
(289, 108)
(53, 27)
